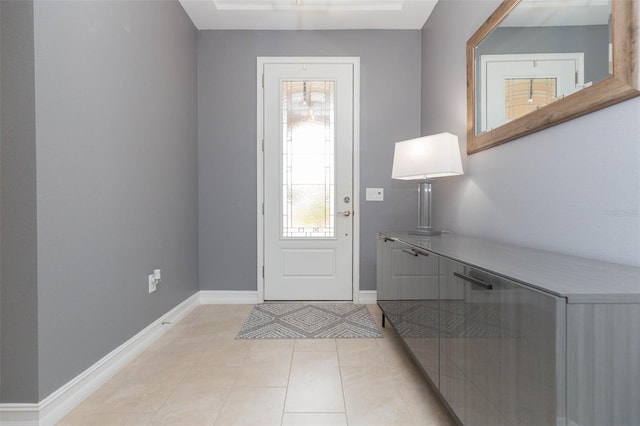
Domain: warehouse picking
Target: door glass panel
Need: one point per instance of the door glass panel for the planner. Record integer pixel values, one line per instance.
(308, 159)
(524, 95)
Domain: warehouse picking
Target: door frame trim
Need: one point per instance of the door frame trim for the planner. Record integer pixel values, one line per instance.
(355, 62)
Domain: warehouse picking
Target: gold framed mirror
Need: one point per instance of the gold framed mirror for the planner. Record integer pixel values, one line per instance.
(513, 91)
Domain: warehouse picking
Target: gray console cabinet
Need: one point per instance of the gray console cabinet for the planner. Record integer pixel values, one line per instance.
(513, 336)
(502, 348)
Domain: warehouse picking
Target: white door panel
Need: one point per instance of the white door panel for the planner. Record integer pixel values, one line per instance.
(308, 263)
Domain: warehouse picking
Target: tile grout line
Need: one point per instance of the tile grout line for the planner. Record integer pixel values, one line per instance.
(286, 391)
(344, 398)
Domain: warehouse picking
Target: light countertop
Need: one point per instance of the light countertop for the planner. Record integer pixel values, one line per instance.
(578, 279)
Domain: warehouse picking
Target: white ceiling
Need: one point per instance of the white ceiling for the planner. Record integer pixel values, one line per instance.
(308, 14)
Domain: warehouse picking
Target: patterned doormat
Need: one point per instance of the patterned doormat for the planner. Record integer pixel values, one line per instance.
(309, 321)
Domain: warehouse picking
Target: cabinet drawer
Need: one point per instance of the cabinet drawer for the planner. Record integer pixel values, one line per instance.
(405, 272)
(502, 348)
(407, 289)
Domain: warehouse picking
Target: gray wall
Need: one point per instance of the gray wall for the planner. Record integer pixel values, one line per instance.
(18, 244)
(116, 122)
(390, 111)
(1, 199)
(115, 138)
(573, 188)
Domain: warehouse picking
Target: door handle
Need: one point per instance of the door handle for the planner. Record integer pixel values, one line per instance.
(345, 213)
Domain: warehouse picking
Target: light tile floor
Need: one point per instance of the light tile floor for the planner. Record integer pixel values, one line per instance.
(198, 374)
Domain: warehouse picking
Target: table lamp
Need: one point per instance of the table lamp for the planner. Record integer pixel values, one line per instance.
(424, 159)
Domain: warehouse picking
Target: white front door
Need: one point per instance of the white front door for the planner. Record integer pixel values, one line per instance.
(308, 130)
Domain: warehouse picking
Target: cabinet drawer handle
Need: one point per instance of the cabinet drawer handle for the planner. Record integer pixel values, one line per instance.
(474, 281)
(420, 252)
(411, 252)
(415, 252)
(387, 239)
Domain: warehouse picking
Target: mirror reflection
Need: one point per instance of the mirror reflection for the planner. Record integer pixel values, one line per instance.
(541, 52)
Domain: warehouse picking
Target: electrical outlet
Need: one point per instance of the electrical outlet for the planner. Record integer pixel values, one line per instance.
(153, 283)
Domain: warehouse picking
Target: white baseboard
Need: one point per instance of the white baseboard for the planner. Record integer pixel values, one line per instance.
(19, 414)
(368, 297)
(54, 407)
(218, 297)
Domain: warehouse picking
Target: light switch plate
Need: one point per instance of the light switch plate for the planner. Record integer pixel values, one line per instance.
(375, 194)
